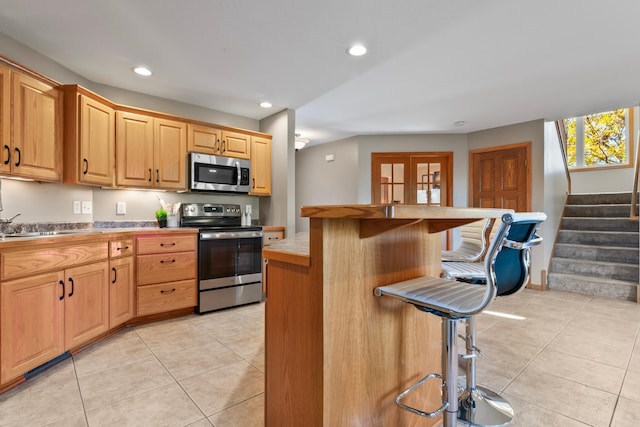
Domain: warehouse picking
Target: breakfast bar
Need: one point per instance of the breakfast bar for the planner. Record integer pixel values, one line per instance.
(335, 354)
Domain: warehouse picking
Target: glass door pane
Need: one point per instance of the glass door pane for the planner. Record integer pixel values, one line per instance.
(392, 182)
(428, 183)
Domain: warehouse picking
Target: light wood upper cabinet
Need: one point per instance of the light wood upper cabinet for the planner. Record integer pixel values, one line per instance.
(134, 145)
(260, 166)
(170, 154)
(31, 323)
(151, 152)
(89, 147)
(5, 117)
(36, 146)
(235, 144)
(203, 139)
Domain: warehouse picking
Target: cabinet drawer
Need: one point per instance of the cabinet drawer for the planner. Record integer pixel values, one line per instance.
(119, 248)
(33, 261)
(166, 297)
(160, 268)
(269, 237)
(166, 243)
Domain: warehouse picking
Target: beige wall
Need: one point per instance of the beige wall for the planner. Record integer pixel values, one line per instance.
(279, 209)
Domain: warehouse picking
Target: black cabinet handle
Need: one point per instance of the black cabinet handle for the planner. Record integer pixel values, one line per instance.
(115, 275)
(162, 261)
(72, 287)
(150, 175)
(8, 150)
(253, 180)
(162, 291)
(157, 175)
(223, 147)
(86, 166)
(167, 244)
(216, 146)
(61, 297)
(19, 157)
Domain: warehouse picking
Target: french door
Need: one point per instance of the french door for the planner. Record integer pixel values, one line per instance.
(412, 178)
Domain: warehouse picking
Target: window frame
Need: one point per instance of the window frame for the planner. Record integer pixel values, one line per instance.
(630, 125)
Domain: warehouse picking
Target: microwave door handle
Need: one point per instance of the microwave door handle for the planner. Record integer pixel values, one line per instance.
(239, 180)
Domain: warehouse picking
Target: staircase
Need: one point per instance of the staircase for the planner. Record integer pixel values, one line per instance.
(596, 251)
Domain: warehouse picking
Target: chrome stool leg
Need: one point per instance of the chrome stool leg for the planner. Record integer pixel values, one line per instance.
(479, 406)
(450, 371)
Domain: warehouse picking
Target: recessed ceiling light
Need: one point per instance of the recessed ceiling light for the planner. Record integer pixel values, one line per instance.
(357, 50)
(265, 104)
(143, 71)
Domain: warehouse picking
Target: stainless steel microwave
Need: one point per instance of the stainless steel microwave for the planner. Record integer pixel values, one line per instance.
(219, 173)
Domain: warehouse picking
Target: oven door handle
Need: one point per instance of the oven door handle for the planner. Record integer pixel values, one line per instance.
(217, 235)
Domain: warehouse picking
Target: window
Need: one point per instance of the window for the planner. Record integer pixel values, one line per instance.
(600, 140)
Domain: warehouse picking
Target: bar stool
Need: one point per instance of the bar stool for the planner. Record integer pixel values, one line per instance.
(473, 243)
(507, 265)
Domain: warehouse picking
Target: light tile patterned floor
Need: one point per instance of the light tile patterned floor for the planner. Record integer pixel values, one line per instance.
(561, 359)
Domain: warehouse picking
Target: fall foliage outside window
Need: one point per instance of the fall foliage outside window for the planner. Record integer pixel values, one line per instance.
(599, 140)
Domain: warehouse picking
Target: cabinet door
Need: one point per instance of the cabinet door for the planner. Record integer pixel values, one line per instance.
(235, 144)
(86, 303)
(134, 146)
(121, 294)
(170, 154)
(31, 323)
(97, 142)
(203, 139)
(260, 166)
(37, 129)
(5, 116)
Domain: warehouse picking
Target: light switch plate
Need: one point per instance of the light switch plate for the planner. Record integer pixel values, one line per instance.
(121, 208)
(86, 207)
(77, 210)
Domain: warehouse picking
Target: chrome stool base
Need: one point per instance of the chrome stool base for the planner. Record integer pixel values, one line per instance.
(483, 408)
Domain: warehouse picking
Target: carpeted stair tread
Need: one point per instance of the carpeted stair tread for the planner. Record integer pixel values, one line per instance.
(608, 288)
(603, 269)
(603, 238)
(599, 199)
(599, 224)
(619, 254)
(610, 210)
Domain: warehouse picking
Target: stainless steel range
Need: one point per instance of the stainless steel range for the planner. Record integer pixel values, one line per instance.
(229, 256)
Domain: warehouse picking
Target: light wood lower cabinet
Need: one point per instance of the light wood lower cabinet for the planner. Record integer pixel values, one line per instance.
(44, 315)
(86, 303)
(31, 323)
(121, 291)
(166, 270)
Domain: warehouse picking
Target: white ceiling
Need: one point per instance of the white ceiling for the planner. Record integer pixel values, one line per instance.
(430, 62)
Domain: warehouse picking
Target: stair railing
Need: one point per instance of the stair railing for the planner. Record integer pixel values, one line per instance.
(634, 193)
(562, 139)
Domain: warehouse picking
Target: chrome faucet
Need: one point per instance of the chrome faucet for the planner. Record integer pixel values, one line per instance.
(9, 220)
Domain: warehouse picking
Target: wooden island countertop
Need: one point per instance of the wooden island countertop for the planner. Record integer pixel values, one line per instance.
(335, 354)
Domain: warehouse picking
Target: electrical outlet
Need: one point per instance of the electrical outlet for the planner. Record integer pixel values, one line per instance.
(77, 210)
(86, 207)
(121, 208)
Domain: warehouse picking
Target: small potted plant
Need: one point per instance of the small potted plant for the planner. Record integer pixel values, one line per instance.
(161, 216)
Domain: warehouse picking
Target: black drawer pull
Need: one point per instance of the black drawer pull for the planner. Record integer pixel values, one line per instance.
(61, 297)
(167, 244)
(162, 291)
(162, 261)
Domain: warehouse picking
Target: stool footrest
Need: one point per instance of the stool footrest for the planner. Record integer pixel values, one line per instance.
(418, 411)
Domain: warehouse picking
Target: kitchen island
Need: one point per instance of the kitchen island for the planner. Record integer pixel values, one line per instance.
(335, 354)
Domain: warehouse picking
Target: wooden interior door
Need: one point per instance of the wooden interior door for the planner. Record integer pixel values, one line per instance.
(501, 177)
